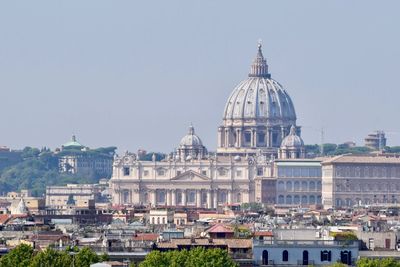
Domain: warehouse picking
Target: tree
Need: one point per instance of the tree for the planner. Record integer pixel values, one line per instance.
(20, 256)
(85, 257)
(338, 264)
(197, 257)
(384, 262)
(50, 257)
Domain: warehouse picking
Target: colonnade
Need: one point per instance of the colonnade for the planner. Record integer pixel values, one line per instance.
(201, 198)
(259, 137)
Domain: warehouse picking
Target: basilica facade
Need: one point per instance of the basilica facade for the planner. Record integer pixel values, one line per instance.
(258, 125)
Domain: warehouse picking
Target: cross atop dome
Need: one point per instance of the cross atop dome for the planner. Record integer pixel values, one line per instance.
(259, 68)
(191, 129)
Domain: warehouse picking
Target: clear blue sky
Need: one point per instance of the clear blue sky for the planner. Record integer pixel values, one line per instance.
(135, 73)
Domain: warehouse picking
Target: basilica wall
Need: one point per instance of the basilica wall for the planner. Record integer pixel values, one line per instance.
(200, 183)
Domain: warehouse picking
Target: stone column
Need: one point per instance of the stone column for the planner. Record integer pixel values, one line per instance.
(269, 137)
(209, 200)
(251, 138)
(183, 197)
(215, 198)
(254, 136)
(153, 197)
(168, 195)
(198, 198)
(226, 138)
(245, 196)
(240, 137)
(220, 143)
(283, 132)
(229, 200)
(173, 201)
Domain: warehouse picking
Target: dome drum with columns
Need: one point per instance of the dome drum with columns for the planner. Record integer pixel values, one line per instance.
(258, 114)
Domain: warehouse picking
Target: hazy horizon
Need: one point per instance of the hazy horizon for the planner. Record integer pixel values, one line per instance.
(135, 75)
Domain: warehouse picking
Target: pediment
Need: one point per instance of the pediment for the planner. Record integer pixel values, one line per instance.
(191, 176)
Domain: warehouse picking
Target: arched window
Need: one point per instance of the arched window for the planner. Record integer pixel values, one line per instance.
(285, 255)
(304, 186)
(281, 186)
(265, 257)
(312, 200)
(281, 199)
(345, 257)
(312, 186)
(297, 186)
(304, 200)
(296, 199)
(289, 186)
(288, 199)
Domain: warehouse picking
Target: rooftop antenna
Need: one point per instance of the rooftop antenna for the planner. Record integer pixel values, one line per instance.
(322, 141)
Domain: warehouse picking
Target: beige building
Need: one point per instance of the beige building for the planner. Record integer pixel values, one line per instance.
(258, 117)
(350, 180)
(58, 197)
(160, 217)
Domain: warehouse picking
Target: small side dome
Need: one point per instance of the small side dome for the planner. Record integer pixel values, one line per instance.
(292, 140)
(191, 139)
(191, 147)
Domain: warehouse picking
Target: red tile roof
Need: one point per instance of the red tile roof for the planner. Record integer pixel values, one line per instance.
(145, 237)
(263, 233)
(220, 228)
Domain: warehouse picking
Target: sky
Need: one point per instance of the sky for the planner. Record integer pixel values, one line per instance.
(135, 74)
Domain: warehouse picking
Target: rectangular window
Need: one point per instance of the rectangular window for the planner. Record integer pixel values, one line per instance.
(260, 171)
(178, 173)
(238, 173)
(160, 172)
(126, 171)
(146, 173)
(204, 173)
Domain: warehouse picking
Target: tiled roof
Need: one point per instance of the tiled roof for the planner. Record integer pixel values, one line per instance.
(145, 237)
(220, 228)
(263, 233)
(4, 218)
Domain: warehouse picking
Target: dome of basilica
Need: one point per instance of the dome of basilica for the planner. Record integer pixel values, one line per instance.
(258, 114)
(259, 97)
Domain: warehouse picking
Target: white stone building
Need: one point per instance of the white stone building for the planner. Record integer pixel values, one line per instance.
(259, 115)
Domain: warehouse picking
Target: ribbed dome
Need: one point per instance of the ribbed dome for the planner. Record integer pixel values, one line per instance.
(292, 140)
(259, 96)
(191, 139)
